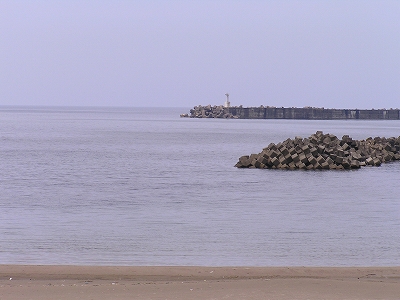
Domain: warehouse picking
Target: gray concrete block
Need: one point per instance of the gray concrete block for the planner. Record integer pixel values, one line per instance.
(339, 159)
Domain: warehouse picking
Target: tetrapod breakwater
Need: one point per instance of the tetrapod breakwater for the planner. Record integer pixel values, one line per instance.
(324, 151)
(305, 113)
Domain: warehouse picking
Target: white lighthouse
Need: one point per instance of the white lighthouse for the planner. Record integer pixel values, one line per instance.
(227, 103)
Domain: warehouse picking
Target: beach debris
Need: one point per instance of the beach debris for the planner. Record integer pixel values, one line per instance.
(324, 152)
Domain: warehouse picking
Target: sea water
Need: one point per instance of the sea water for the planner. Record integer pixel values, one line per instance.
(141, 186)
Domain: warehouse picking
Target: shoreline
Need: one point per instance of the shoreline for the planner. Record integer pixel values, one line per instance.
(160, 273)
(191, 282)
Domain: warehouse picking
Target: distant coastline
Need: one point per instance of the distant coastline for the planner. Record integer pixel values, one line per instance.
(304, 113)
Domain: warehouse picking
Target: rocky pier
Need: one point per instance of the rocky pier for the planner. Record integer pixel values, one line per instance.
(209, 111)
(324, 152)
(303, 113)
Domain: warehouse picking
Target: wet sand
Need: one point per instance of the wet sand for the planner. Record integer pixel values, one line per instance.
(97, 282)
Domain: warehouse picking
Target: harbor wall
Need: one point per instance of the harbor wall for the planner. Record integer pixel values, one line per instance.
(306, 113)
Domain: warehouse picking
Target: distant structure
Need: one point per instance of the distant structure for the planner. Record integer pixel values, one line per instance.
(227, 103)
(304, 113)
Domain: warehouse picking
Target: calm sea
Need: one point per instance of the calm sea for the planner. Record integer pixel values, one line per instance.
(141, 186)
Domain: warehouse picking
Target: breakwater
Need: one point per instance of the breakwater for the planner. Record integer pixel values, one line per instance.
(306, 113)
(324, 151)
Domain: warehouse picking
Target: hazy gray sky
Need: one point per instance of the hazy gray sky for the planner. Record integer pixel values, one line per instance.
(342, 54)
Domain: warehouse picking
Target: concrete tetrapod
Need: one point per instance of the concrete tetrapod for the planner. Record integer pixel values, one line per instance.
(324, 151)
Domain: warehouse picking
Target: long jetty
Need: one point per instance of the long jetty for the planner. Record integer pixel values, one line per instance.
(305, 113)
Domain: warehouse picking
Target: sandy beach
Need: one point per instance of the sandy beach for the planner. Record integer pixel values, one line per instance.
(98, 282)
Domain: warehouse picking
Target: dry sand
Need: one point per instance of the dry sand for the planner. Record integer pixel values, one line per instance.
(83, 282)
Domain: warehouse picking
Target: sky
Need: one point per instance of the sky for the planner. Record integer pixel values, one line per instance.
(149, 53)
